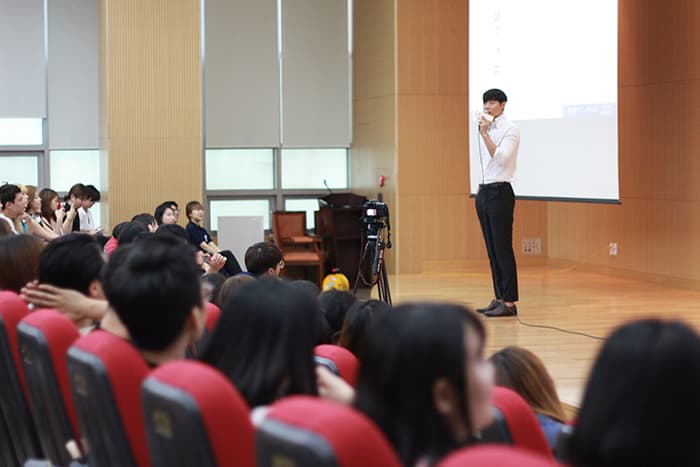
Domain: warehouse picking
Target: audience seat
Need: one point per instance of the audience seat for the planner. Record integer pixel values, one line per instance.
(44, 339)
(106, 373)
(339, 360)
(213, 313)
(307, 431)
(495, 456)
(13, 387)
(194, 416)
(515, 423)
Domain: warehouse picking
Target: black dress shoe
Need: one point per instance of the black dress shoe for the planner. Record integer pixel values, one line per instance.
(502, 310)
(491, 306)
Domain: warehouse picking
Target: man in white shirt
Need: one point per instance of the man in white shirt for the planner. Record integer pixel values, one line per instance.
(87, 224)
(499, 140)
(11, 205)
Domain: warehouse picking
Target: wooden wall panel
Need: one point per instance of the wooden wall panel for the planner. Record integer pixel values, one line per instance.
(437, 227)
(374, 105)
(657, 225)
(152, 103)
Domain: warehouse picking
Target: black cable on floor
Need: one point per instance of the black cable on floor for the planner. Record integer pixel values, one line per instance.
(554, 328)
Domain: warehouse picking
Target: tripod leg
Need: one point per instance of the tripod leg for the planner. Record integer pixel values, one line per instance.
(385, 280)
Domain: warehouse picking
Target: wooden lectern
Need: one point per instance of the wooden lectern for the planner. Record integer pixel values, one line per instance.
(339, 225)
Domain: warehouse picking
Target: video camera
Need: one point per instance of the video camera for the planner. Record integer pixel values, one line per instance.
(375, 215)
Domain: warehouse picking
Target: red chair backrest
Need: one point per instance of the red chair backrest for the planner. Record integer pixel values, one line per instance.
(106, 373)
(339, 360)
(194, 416)
(495, 456)
(44, 339)
(13, 387)
(524, 429)
(212, 316)
(304, 430)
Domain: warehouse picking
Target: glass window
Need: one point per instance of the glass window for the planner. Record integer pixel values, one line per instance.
(21, 132)
(69, 167)
(239, 207)
(239, 169)
(309, 168)
(19, 169)
(310, 205)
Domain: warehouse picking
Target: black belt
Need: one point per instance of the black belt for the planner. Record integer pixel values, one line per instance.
(484, 186)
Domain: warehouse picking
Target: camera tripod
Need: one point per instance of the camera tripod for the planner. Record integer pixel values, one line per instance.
(373, 258)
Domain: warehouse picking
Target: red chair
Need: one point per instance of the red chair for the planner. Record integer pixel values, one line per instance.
(495, 456)
(213, 313)
(106, 373)
(515, 423)
(194, 416)
(339, 360)
(13, 387)
(44, 339)
(303, 430)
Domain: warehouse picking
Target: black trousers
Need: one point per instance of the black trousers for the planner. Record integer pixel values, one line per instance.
(495, 204)
(231, 268)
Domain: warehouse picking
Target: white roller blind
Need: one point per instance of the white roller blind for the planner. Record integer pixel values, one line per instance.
(73, 74)
(316, 98)
(22, 70)
(241, 74)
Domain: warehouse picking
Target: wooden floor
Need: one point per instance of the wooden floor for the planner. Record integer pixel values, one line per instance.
(565, 298)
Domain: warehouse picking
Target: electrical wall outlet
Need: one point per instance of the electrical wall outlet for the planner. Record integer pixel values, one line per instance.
(532, 246)
(612, 248)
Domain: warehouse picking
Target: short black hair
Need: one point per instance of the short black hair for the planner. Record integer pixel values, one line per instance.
(77, 190)
(640, 403)
(334, 305)
(173, 230)
(8, 192)
(262, 256)
(495, 95)
(92, 193)
(119, 228)
(144, 218)
(132, 232)
(71, 261)
(263, 341)
(357, 323)
(153, 285)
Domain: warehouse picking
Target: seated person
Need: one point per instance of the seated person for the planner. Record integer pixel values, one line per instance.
(19, 260)
(11, 205)
(641, 406)
(357, 322)
(519, 369)
(74, 201)
(31, 219)
(264, 259)
(113, 241)
(87, 223)
(166, 213)
(334, 305)
(52, 212)
(264, 341)
(425, 381)
(74, 261)
(200, 238)
(147, 220)
(154, 287)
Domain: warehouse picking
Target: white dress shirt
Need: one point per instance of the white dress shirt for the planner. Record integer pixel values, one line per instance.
(9, 221)
(500, 167)
(86, 221)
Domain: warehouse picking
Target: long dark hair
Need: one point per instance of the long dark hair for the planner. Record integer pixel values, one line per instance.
(19, 260)
(263, 341)
(641, 402)
(407, 352)
(46, 195)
